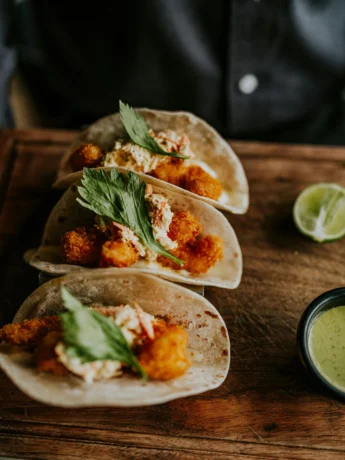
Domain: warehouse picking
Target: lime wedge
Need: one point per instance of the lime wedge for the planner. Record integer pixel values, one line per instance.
(319, 212)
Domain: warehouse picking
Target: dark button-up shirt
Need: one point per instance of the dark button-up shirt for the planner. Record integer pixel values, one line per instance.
(256, 69)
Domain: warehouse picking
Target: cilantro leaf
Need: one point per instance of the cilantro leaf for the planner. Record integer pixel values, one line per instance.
(138, 131)
(121, 197)
(90, 336)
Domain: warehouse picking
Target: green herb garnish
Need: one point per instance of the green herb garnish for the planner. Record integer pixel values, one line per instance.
(138, 131)
(90, 336)
(121, 197)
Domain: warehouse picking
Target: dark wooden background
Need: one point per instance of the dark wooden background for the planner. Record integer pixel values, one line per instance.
(268, 408)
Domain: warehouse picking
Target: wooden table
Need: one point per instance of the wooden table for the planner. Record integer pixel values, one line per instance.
(267, 408)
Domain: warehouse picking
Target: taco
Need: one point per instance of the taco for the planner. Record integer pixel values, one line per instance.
(109, 338)
(177, 150)
(112, 219)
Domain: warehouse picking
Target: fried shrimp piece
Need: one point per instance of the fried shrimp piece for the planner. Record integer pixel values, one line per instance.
(86, 156)
(118, 253)
(203, 254)
(184, 227)
(82, 246)
(29, 331)
(180, 252)
(45, 356)
(198, 256)
(165, 357)
(198, 181)
(171, 171)
(160, 325)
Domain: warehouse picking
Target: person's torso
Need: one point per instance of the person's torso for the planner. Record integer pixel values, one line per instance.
(249, 67)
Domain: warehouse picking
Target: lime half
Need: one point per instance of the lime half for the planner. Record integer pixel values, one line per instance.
(319, 212)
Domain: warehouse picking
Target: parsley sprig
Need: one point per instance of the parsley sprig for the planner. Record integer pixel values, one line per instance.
(90, 336)
(138, 131)
(121, 198)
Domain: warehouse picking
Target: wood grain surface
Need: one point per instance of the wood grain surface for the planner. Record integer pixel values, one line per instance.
(268, 407)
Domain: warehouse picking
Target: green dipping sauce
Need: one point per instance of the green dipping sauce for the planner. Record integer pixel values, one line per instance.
(327, 345)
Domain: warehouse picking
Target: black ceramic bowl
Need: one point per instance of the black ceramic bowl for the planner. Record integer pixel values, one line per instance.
(326, 301)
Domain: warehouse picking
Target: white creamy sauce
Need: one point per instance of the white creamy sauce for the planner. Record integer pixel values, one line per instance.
(170, 141)
(129, 236)
(161, 215)
(132, 156)
(94, 370)
(134, 323)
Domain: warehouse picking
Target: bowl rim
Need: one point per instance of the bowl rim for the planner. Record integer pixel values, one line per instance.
(320, 304)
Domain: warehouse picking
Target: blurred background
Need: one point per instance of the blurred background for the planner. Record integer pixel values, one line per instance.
(255, 69)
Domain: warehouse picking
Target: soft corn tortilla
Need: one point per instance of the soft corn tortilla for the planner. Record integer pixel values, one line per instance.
(208, 341)
(206, 143)
(69, 214)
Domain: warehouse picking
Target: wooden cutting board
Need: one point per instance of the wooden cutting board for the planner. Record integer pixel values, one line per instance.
(267, 408)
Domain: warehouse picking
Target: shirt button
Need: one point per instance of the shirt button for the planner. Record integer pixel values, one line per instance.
(248, 84)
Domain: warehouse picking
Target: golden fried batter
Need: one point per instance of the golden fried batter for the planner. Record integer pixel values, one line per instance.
(180, 253)
(29, 331)
(203, 254)
(86, 156)
(198, 256)
(165, 357)
(184, 227)
(82, 246)
(171, 171)
(192, 178)
(198, 181)
(118, 253)
(159, 326)
(45, 356)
